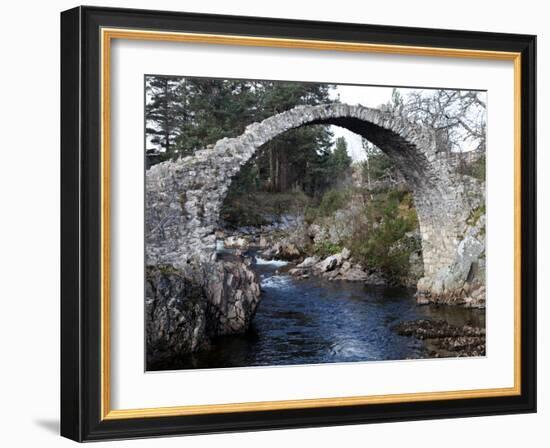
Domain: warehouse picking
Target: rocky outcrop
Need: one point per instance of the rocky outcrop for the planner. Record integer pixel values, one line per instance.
(329, 264)
(309, 262)
(339, 266)
(283, 250)
(447, 340)
(186, 308)
(463, 281)
(232, 293)
(175, 314)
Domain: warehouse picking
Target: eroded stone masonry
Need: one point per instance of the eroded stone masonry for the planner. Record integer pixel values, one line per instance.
(184, 197)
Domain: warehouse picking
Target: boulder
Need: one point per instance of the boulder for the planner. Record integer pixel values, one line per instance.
(309, 262)
(185, 308)
(236, 242)
(288, 251)
(328, 264)
(282, 250)
(175, 315)
(270, 252)
(233, 293)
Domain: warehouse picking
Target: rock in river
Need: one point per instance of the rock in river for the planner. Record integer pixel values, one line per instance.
(308, 262)
(328, 264)
(185, 308)
(446, 339)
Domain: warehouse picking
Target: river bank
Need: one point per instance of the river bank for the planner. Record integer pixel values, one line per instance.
(315, 320)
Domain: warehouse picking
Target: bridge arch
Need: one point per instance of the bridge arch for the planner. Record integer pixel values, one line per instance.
(184, 197)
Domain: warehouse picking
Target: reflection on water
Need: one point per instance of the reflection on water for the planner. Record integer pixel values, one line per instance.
(315, 321)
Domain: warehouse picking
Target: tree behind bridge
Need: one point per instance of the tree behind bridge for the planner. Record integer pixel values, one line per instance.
(187, 114)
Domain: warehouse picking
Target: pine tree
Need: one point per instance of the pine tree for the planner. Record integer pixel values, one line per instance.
(297, 157)
(164, 111)
(341, 161)
(186, 114)
(215, 108)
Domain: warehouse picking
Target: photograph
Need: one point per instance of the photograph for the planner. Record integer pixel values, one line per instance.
(301, 223)
(274, 222)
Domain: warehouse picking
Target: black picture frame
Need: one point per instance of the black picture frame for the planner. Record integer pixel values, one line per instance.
(81, 224)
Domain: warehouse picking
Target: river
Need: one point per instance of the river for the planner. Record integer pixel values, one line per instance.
(312, 321)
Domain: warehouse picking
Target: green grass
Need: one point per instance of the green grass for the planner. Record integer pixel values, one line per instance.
(325, 248)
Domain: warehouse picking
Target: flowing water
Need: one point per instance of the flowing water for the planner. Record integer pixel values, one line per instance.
(311, 321)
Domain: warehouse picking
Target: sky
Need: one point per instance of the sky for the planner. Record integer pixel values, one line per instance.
(366, 96)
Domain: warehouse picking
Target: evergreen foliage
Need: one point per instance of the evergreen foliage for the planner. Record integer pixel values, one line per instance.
(382, 245)
(164, 112)
(187, 114)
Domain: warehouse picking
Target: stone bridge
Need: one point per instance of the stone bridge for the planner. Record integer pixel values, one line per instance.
(184, 197)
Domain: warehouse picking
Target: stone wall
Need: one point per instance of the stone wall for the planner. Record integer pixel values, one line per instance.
(184, 197)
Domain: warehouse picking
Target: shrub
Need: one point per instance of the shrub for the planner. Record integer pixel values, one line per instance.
(311, 213)
(382, 245)
(332, 201)
(325, 248)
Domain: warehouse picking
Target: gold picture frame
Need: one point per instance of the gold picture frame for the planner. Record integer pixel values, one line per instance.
(106, 31)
